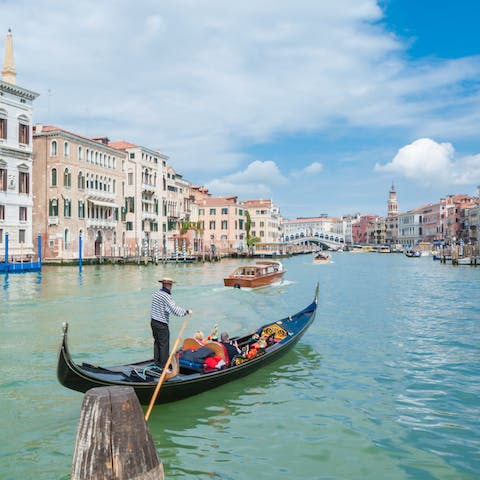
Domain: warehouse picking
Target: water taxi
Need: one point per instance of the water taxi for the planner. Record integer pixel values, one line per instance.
(258, 275)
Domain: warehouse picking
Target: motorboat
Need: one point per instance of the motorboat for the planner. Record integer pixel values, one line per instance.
(260, 274)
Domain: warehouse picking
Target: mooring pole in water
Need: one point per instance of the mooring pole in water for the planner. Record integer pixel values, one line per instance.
(6, 249)
(80, 241)
(113, 439)
(39, 248)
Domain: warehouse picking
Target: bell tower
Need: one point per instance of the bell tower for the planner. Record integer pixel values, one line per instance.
(392, 202)
(9, 74)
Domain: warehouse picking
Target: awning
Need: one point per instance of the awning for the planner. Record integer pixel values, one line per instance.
(102, 204)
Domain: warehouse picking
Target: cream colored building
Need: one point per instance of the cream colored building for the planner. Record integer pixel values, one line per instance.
(177, 209)
(266, 221)
(77, 191)
(16, 179)
(145, 189)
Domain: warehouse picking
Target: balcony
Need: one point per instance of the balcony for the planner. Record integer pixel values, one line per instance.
(149, 215)
(100, 195)
(53, 220)
(146, 187)
(100, 223)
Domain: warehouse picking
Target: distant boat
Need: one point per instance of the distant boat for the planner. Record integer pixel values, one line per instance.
(321, 257)
(258, 275)
(412, 253)
(180, 258)
(465, 261)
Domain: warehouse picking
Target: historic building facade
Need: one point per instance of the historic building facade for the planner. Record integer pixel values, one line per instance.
(222, 221)
(266, 221)
(178, 210)
(145, 189)
(391, 222)
(16, 199)
(78, 183)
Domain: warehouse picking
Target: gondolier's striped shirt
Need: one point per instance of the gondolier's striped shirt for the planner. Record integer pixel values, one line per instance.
(163, 305)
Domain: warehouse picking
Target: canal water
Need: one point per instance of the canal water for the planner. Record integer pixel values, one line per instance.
(384, 385)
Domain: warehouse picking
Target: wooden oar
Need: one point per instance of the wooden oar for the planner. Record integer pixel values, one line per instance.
(164, 373)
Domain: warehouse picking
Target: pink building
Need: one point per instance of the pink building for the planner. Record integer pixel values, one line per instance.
(452, 207)
(363, 229)
(222, 220)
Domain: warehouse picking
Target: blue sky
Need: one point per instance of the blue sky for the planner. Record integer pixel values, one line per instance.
(319, 105)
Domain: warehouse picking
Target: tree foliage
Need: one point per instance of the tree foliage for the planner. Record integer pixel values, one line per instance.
(186, 226)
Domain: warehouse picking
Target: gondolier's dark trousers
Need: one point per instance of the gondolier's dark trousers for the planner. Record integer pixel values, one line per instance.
(161, 346)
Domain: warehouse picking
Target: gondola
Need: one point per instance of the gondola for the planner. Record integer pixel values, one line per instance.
(185, 381)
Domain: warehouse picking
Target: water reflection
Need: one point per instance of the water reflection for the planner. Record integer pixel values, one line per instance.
(192, 427)
(229, 400)
(24, 285)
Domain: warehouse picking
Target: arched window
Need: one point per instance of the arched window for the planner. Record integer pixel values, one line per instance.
(53, 148)
(67, 178)
(80, 152)
(66, 150)
(80, 181)
(53, 182)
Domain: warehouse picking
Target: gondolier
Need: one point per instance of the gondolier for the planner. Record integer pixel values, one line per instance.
(162, 306)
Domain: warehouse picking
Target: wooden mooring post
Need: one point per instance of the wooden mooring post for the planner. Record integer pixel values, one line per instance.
(113, 439)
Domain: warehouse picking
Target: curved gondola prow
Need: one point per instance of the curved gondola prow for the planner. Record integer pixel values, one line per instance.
(64, 359)
(315, 300)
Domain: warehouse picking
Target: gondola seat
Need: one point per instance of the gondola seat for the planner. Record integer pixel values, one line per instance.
(216, 347)
(188, 359)
(191, 344)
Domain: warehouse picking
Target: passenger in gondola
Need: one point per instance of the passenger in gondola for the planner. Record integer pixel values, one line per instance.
(231, 347)
(198, 336)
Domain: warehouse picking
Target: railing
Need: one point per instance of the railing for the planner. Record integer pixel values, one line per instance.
(100, 223)
(148, 188)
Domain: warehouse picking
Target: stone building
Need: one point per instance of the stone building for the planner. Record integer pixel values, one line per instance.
(391, 222)
(178, 209)
(223, 222)
(145, 189)
(78, 192)
(266, 221)
(16, 153)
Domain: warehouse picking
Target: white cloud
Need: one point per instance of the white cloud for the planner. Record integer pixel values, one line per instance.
(429, 162)
(205, 81)
(313, 168)
(256, 181)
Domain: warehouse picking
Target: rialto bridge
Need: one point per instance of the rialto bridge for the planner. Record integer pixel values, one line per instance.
(332, 241)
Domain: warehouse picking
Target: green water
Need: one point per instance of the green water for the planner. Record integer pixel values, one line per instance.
(385, 385)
